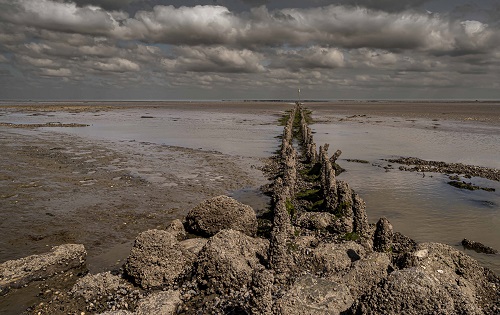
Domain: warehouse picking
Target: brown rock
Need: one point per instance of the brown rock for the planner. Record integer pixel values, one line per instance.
(157, 259)
(229, 259)
(16, 273)
(222, 212)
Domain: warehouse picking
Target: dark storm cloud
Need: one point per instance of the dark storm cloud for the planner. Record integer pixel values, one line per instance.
(216, 25)
(106, 4)
(213, 59)
(241, 45)
(310, 58)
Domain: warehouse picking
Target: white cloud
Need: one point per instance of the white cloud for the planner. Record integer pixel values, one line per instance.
(62, 72)
(184, 25)
(116, 65)
(38, 62)
(61, 16)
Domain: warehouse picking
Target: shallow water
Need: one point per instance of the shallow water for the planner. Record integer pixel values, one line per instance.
(422, 206)
(425, 208)
(233, 133)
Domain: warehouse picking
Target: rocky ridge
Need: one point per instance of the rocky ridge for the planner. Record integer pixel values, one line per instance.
(313, 253)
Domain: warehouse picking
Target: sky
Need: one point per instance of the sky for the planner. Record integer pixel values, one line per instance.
(249, 49)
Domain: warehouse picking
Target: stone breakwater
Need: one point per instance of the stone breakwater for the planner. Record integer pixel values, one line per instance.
(314, 252)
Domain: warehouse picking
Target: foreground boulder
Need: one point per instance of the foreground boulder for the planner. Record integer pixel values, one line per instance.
(437, 279)
(16, 273)
(410, 291)
(222, 212)
(157, 259)
(367, 272)
(458, 271)
(229, 259)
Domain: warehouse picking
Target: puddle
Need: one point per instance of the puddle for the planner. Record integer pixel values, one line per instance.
(253, 197)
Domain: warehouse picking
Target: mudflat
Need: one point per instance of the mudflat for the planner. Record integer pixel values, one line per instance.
(57, 188)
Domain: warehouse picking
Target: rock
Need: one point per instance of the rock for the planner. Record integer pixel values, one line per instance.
(333, 260)
(262, 289)
(118, 312)
(316, 220)
(93, 287)
(409, 291)
(193, 245)
(345, 203)
(222, 212)
(229, 259)
(279, 258)
(157, 259)
(360, 220)
(402, 244)
(468, 283)
(161, 303)
(335, 156)
(367, 272)
(310, 295)
(478, 247)
(177, 229)
(16, 273)
(104, 289)
(382, 240)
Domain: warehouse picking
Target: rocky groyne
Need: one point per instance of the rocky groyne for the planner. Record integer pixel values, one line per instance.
(314, 252)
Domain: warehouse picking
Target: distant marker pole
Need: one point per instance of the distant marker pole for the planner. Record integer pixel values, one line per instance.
(298, 91)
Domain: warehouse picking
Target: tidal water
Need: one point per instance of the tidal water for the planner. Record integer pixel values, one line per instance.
(422, 206)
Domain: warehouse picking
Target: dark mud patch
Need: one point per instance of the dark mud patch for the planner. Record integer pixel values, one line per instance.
(419, 165)
(468, 186)
(357, 161)
(485, 203)
(478, 247)
(49, 124)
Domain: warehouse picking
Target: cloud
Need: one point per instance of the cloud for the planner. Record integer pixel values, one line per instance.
(62, 72)
(349, 44)
(115, 65)
(64, 17)
(210, 25)
(314, 57)
(194, 25)
(38, 62)
(106, 4)
(213, 59)
(385, 5)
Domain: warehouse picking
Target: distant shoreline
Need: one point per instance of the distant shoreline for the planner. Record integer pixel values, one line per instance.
(467, 101)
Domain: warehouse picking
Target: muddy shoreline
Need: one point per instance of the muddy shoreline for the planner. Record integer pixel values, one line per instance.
(66, 189)
(320, 254)
(71, 190)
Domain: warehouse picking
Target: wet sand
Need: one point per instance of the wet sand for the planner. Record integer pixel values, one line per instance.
(58, 188)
